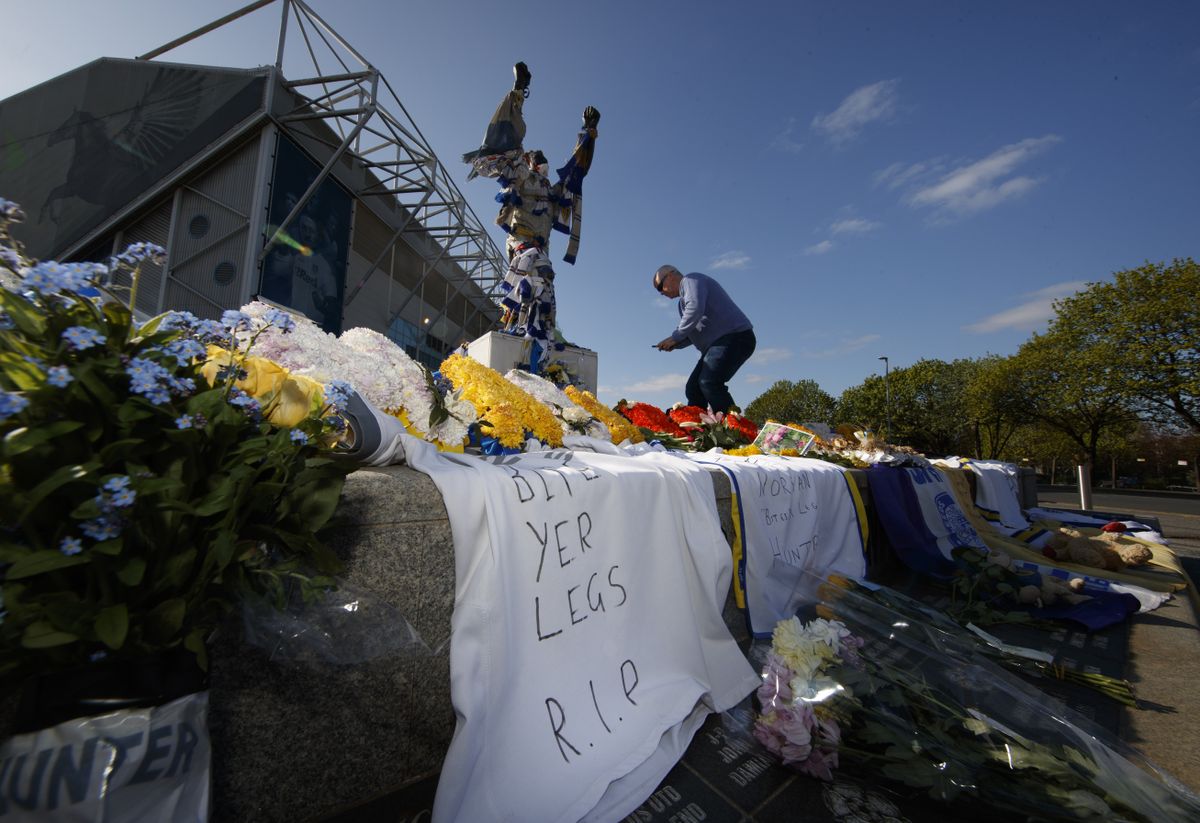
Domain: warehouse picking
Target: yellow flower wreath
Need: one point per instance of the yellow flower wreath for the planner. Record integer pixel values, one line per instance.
(619, 429)
(508, 411)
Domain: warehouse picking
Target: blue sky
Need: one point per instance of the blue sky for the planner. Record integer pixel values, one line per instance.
(911, 179)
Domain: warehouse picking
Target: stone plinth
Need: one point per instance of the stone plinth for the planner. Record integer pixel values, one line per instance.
(292, 742)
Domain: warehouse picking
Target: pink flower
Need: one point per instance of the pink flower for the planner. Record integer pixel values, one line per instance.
(775, 692)
(820, 764)
(768, 735)
(829, 731)
(796, 726)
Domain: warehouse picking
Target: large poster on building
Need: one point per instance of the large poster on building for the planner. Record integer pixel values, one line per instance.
(79, 148)
(305, 265)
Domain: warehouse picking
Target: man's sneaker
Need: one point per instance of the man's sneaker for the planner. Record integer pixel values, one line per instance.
(522, 75)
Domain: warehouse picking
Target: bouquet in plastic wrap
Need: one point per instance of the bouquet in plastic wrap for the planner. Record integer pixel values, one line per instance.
(870, 689)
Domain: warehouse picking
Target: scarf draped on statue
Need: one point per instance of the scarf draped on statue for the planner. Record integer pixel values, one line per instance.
(587, 640)
(791, 515)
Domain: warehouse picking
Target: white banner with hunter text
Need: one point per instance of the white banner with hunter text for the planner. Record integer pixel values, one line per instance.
(587, 640)
(797, 514)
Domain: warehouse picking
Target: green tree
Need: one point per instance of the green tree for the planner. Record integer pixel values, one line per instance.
(1051, 452)
(927, 409)
(992, 409)
(1146, 324)
(800, 402)
(1063, 379)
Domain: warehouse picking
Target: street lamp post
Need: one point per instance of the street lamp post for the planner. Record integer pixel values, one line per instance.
(887, 398)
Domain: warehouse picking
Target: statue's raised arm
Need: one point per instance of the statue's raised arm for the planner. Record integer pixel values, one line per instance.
(530, 206)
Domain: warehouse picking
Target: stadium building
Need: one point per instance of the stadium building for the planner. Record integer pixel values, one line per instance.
(317, 193)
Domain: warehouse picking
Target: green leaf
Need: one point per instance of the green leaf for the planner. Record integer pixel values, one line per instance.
(166, 619)
(178, 569)
(112, 624)
(28, 320)
(42, 562)
(111, 548)
(57, 479)
(315, 497)
(131, 573)
(19, 441)
(118, 450)
(195, 643)
(96, 386)
(131, 412)
(217, 500)
(43, 635)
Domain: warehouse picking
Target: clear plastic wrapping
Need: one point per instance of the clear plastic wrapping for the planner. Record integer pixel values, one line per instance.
(854, 684)
(341, 626)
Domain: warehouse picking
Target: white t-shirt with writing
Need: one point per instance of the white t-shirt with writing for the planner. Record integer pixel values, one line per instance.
(587, 640)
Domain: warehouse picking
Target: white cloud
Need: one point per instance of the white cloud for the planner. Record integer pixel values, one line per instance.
(900, 174)
(664, 382)
(785, 140)
(770, 355)
(824, 247)
(841, 347)
(854, 225)
(754, 379)
(1030, 315)
(731, 260)
(984, 183)
(862, 107)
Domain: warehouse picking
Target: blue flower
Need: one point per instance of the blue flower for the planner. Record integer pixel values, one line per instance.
(174, 320)
(299, 437)
(102, 528)
(117, 483)
(184, 422)
(11, 211)
(149, 379)
(243, 401)
(11, 403)
(6, 322)
(70, 546)
(234, 320)
(137, 252)
(280, 319)
(124, 498)
(183, 350)
(96, 657)
(210, 331)
(337, 394)
(10, 258)
(81, 337)
(59, 376)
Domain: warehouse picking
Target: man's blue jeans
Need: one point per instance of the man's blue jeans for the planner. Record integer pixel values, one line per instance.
(707, 387)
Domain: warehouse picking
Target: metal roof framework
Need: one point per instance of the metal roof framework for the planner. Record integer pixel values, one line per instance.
(341, 88)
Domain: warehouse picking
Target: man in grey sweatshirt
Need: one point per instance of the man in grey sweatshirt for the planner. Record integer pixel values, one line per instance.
(712, 322)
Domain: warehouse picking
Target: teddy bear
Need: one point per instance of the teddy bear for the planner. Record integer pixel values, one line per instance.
(1050, 591)
(1105, 551)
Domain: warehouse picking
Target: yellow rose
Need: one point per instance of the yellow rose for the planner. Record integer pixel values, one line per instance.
(298, 397)
(218, 358)
(263, 377)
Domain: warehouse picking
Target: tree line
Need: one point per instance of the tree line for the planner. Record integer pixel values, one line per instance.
(1112, 383)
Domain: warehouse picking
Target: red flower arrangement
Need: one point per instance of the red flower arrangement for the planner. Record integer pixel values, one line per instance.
(652, 418)
(743, 425)
(684, 415)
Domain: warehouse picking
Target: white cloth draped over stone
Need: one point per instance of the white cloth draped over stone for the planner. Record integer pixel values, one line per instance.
(797, 515)
(587, 641)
